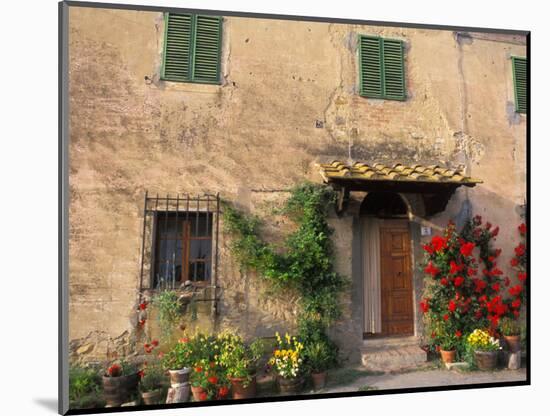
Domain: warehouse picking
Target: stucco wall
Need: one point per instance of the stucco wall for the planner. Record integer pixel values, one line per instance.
(255, 133)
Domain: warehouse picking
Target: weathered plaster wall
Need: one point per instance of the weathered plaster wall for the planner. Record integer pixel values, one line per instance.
(256, 132)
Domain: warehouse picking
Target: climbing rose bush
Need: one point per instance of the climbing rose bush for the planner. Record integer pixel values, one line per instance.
(462, 284)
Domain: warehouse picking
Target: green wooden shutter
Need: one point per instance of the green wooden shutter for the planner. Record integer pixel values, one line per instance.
(207, 48)
(394, 78)
(381, 68)
(370, 67)
(177, 47)
(519, 66)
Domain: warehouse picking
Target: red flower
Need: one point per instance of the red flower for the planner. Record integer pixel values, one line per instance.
(455, 268)
(494, 320)
(223, 392)
(522, 228)
(428, 248)
(520, 250)
(115, 370)
(495, 287)
(198, 369)
(431, 269)
(496, 272)
(452, 305)
(141, 322)
(516, 304)
(522, 276)
(497, 252)
(183, 340)
(515, 290)
(140, 373)
(155, 343)
(213, 379)
(143, 306)
(466, 249)
(446, 317)
(203, 396)
(471, 272)
(495, 231)
(146, 346)
(444, 281)
(507, 281)
(480, 285)
(424, 305)
(516, 313)
(458, 281)
(439, 243)
(488, 225)
(514, 262)
(458, 334)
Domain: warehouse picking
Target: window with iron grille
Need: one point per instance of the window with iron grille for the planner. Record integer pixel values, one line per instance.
(519, 68)
(180, 241)
(192, 48)
(381, 68)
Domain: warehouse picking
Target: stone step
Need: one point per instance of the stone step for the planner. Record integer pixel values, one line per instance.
(394, 355)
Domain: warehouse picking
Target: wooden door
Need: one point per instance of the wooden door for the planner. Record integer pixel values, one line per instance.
(396, 278)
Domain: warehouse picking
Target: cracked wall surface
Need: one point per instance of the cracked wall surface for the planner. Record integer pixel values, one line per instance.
(288, 100)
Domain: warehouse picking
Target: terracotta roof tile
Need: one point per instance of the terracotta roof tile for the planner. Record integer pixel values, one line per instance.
(395, 172)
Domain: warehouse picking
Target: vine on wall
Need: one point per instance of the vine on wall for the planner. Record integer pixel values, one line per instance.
(306, 262)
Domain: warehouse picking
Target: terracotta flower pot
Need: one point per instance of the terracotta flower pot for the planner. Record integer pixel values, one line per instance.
(198, 394)
(179, 376)
(290, 386)
(319, 380)
(151, 397)
(513, 342)
(448, 356)
(239, 391)
(118, 390)
(486, 360)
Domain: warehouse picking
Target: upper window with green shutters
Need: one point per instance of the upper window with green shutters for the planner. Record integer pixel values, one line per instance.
(381, 68)
(192, 48)
(519, 67)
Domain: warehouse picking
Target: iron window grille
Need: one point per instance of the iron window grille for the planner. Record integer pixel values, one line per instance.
(179, 241)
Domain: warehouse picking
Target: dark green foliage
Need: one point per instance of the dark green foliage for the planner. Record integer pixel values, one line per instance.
(306, 264)
(84, 388)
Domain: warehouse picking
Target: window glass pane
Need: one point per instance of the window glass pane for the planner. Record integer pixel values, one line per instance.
(201, 224)
(200, 249)
(199, 271)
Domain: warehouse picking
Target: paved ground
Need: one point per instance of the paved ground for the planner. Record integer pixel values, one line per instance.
(427, 378)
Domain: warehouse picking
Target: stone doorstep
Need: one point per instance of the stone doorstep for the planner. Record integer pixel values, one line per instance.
(397, 354)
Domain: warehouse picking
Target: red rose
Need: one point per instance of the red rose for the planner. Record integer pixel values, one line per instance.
(203, 396)
(198, 369)
(520, 250)
(458, 281)
(428, 248)
(522, 228)
(212, 379)
(431, 269)
(155, 343)
(515, 290)
(444, 281)
(494, 320)
(516, 303)
(223, 392)
(439, 243)
(480, 285)
(445, 317)
(466, 249)
(455, 268)
(458, 334)
(425, 306)
(495, 287)
(514, 262)
(471, 271)
(522, 276)
(452, 305)
(496, 272)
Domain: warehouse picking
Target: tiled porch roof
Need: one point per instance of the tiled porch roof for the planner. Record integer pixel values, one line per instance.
(359, 171)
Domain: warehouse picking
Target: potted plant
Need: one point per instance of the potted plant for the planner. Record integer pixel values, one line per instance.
(448, 343)
(84, 388)
(319, 358)
(178, 361)
(208, 382)
(484, 348)
(287, 361)
(120, 383)
(240, 362)
(152, 383)
(511, 330)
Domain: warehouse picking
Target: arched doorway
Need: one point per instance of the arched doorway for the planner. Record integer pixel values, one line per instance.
(386, 265)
